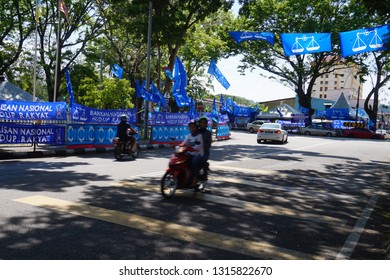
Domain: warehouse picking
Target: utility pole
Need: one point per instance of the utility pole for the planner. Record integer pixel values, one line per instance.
(146, 103)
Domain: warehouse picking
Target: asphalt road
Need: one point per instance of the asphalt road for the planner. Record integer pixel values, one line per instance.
(312, 198)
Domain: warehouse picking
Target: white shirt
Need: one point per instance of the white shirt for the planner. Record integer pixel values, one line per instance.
(195, 142)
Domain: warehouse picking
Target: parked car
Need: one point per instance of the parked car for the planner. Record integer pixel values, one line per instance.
(318, 129)
(383, 132)
(254, 126)
(272, 132)
(361, 133)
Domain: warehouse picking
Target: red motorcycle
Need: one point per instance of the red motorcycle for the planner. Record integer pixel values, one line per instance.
(178, 175)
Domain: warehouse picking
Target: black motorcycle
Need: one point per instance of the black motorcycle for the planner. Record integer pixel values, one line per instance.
(121, 149)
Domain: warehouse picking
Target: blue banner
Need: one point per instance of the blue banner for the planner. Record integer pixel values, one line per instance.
(96, 135)
(240, 111)
(171, 119)
(165, 133)
(80, 113)
(223, 132)
(364, 40)
(32, 111)
(240, 36)
(29, 134)
(305, 43)
(338, 113)
(223, 119)
(213, 70)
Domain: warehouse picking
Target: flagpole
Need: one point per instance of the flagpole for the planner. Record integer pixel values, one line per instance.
(57, 53)
(35, 59)
(146, 103)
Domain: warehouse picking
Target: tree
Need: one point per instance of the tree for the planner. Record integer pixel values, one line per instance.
(206, 42)
(301, 71)
(111, 94)
(172, 21)
(374, 65)
(83, 26)
(15, 27)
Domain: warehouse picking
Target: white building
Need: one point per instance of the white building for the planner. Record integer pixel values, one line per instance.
(342, 80)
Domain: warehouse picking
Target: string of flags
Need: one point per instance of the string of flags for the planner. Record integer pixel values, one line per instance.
(351, 42)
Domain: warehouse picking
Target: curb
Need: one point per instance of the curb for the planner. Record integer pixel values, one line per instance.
(71, 152)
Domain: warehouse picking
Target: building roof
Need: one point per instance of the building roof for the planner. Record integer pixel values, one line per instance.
(9, 91)
(278, 112)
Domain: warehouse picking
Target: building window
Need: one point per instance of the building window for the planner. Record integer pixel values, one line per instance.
(326, 88)
(320, 88)
(324, 95)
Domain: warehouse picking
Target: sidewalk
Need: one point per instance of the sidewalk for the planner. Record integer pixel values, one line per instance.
(18, 152)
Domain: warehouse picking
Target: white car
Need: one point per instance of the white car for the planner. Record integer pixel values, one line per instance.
(383, 132)
(272, 132)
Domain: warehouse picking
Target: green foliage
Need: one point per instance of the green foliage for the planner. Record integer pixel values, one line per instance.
(15, 27)
(111, 94)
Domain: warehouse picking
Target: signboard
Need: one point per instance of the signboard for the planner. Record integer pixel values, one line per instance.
(171, 119)
(32, 111)
(29, 134)
(88, 134)
(81, 113)
(341, 113)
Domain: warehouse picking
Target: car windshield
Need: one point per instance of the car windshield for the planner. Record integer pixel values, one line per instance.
(271, 126)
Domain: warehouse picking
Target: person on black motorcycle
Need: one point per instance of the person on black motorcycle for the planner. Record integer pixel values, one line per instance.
(126, 133)
(207, 139)
(194, 140)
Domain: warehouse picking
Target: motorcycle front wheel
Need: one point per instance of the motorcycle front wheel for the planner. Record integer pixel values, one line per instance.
(136, 153)
(168, 185)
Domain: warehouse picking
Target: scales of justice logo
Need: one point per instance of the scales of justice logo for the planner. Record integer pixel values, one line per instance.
(360, 44)
(298, 46)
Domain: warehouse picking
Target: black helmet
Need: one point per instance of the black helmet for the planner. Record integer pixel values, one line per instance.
(123, 118)
(203, 118)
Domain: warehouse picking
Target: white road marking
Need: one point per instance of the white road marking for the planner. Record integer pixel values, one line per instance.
(354, 236)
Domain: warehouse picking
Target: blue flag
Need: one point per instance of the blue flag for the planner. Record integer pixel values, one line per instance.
(157, 96)
(215, 110)
(117, 71)
(168, 72)
(179, 91)
(192, 113)
(223, 104)
(364, 40)
(213, 70)
(140, 90)
(305, 43)
(240, 36)
(69, 86)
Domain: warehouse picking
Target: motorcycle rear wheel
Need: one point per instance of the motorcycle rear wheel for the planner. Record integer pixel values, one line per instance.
(168, 184)
(118, 153)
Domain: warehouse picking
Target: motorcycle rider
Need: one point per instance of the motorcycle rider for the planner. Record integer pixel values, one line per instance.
(126, 133)
(194, 140)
